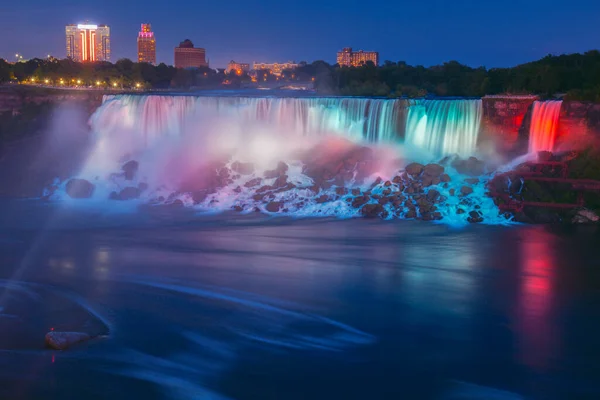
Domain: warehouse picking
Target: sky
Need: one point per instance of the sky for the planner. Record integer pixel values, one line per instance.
(488, 33)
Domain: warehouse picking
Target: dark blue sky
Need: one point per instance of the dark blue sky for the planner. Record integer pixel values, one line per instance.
(476, 32)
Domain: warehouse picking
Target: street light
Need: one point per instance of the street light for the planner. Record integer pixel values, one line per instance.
(115, 84)
(137, 85)
(97, 83)
(79, 81)
(46, 81)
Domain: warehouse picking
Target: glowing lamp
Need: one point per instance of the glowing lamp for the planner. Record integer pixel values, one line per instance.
(115, 84)
(78, 81)
(137, 85)
(46, 81)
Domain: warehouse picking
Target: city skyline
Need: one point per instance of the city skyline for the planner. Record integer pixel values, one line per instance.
(420, 35)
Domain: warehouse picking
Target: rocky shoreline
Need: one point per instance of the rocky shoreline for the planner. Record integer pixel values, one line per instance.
(342, 182)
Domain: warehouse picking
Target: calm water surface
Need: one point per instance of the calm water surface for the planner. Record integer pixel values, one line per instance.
(250, 307)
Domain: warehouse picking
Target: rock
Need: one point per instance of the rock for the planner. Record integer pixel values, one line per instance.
(475, 217)
(373, 211)
(253, 182)
(387, 184)
(360, 201)
(386, 192)
(129, 193)
(472, 181)
(80, 189)
(414, 169)
(322, 199)
(355, 192)
(543, 156)
(264, 189)
(238, 189)
(242, 168)
(129, 169)
(64, 340)
(238, 208)
(411, 214)
(433, 195)
(437, 216)
(280, 170)
(280, 181)
(445, 178)
(397, 179)
(585, 216)
(384, 200)
(433, 170)
(460, 211)
(471, 166)
(451, 192)
(274, 206)
(199, 196)
(341, 191)
(466, 190)
(258, 196)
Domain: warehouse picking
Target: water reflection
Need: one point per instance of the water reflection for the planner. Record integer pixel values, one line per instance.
(538, 334)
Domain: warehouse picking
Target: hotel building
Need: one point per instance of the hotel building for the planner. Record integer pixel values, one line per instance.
(275, 68)
(146, 44)
(349, 58)
(88, 42)
(188, 56)
(239, 68)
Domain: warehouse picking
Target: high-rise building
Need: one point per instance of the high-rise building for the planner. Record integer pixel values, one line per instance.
(188, 56)
(146, 43)
(238, 68)
(275, 68)
(88, 42)
(349, 58)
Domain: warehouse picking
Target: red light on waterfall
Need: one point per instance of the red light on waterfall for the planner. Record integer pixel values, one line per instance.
(518, 120)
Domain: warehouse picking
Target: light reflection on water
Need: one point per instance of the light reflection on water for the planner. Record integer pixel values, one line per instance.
(243, 307)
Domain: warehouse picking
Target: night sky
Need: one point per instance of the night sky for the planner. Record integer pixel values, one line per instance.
(491, 33)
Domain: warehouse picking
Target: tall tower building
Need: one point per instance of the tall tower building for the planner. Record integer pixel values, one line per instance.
(88, 42)
(146, 43)
(188, 56)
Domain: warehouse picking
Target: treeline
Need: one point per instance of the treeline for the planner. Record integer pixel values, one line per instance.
(576, 75)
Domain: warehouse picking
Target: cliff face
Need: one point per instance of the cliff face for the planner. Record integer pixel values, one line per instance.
(13, 98)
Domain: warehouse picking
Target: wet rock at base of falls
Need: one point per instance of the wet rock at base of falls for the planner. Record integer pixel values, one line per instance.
(274, 173)
(471, 166)
(460, 211)
(64, 340)
(373, 211)
(80, 188)
(129, 169)
(445, 178)
(360, 201)
(411, 214)
(466, 190)
(281, 181)
(433, 195)
(242, 168)
(129, 193)
(253, 182)
(341, 191)
(585, 216)
(322, 199)
(433, 170)
(475, 217)
(414, 169)
(237, 208)
(274, 206)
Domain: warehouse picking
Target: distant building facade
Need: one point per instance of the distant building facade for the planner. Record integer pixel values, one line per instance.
(146, 44)
(237, 67)
(349, 58)
(275, 68)
(188, 56)
(88, 42)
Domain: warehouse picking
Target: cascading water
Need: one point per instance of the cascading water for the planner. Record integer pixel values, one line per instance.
(444, 127)
(374, 120)
(218, 153)
(544, 125)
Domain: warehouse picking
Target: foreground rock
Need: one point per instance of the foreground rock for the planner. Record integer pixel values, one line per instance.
(584, 216)
(80, 189)
(64, 340)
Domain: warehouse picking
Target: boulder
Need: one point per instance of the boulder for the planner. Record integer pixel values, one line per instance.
(460, 211)
(433, 195)
(129, 169)
(585, 216)
(341, 191)
(322, 199)
(475, 217)
(414, 169)
(373, 211)
(411, 214)
(397, 179)
(63, 340)
(472, 166)
(543, 156)
(451, 192)
(129, 193)
(472, 181)
(360, 201)
(80, 189)
(466, 190)
(274, 206)
(280, 170)
(355, 192)
(242, 168)
(281, 181)
(445, 178)
(433, 170)
(253, 182)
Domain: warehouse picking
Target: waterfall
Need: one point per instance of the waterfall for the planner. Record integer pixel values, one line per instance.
(544, 124)
(374, 120)
(444, 126)
(438, 126)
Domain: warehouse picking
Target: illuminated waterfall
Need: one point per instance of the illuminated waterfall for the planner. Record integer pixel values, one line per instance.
(444, 126)
(374, 120)
(544, 124)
